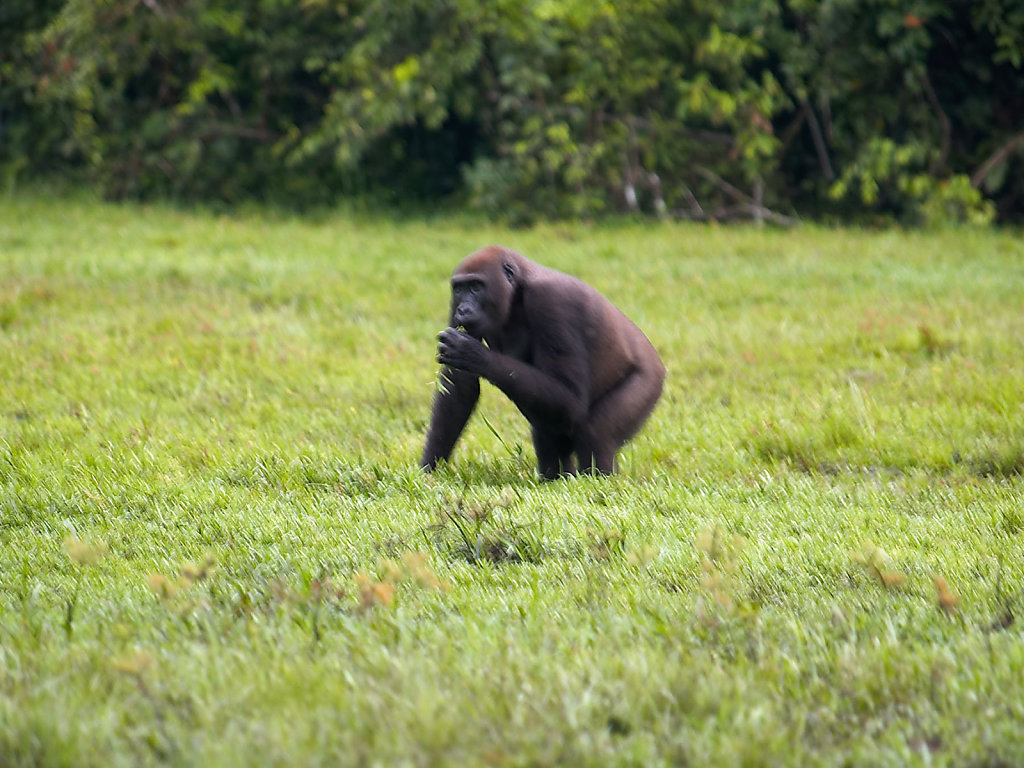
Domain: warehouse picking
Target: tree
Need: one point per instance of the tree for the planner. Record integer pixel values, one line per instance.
(705, 109)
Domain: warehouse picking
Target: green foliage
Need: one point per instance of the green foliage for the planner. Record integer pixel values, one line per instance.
(30, 127)
(529, 109)
(636, 105)
(195, 98)
(951, 201)
(901, 100)
(898, 173)
(216, 547)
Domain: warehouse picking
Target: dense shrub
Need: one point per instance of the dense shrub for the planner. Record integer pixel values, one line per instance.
(683, 108)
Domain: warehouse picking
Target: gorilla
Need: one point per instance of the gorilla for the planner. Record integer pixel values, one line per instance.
(583, 375)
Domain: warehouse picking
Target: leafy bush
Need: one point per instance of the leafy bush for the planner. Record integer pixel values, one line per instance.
(30, 127)
(669, 108)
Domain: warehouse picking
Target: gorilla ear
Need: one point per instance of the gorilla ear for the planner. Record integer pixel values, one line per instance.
(510, 273)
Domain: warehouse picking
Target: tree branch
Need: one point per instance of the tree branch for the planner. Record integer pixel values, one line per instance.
(945, 129)
(747, 205)
(995, 158)
(819, 142)
(790, 131)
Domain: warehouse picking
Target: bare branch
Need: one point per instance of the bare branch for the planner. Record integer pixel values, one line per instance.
(695, 206)
(790, 131)
(995, 158)
(945, 129)
(733, 213)
(724, 185)
(654, 180)
(758, 208)
(630, 167)
(746, 205)
(819, 142)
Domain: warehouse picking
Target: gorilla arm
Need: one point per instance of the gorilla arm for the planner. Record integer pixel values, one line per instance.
(452, 408)
(557, 402)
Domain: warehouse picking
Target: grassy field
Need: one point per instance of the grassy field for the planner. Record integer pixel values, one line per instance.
(216, 548)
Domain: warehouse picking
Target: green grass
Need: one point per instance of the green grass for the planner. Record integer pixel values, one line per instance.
(216, 549)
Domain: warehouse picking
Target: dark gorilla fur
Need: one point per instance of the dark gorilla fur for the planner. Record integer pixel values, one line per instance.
(582, 373)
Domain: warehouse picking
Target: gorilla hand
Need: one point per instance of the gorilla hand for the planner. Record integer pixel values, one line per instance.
(457, 349)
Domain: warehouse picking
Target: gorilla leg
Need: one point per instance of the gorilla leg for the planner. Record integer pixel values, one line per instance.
(554, 454)
(615, 418)
(596, 459)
